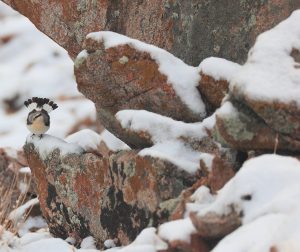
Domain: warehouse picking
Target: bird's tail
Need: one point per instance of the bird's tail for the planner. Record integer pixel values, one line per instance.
(40, 103)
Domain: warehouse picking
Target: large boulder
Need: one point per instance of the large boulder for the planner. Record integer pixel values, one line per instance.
(117, 73)
(108, 197)
(190, 30)
(265, 94)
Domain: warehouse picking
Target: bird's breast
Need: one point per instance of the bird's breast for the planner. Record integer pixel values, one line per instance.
(38, 126)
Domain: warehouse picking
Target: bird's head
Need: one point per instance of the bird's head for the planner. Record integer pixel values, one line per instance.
(34, 115)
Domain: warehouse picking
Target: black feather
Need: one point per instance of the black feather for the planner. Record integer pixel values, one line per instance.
(40, 102)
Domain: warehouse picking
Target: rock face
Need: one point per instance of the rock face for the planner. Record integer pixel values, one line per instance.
(244, 130)
(107, 197)
(190, 30)
(265, 93)
(122, 77)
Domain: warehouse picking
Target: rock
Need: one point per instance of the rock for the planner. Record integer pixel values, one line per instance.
(190, 31)
(82, 194)
(197, 244)
(113, 84)
(239, 127)
(271, 87)
(216, 73)
(213, 90)
(212, 226)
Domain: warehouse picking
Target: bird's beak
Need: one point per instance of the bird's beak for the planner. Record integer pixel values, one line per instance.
(38, 115)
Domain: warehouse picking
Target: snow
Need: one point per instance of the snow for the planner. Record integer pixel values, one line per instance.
(88, 243)
(179, 154)
(200, 199)
(227, 109)
(25, 170)
(109, 243)
(31, 222)
(31, 64)
(270, 73)
(271, 209)
(146, 241)
(166, 135)
(23, 187)
(218, 68)
(178, 230)
(90, 140)
(265, 190)
(19, 212)
(183, 78)
(47, 144)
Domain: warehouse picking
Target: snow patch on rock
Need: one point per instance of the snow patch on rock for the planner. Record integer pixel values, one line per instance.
(47, 144)
(166, 135)
(218, 68)
(270, 72)
(90, 140)
(182, 77)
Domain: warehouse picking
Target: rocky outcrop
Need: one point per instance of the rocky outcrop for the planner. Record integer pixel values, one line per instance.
(239, 127)
(190, 31)
(107, 197)
(215, 76)
(123, 77)
(116, 194)
(264, 94)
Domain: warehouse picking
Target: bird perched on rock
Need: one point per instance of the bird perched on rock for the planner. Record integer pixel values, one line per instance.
(38, 120)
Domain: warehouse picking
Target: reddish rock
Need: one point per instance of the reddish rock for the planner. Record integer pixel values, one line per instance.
(244, 130)
(282, 117)
(114, 85)
(212, 91)
(222, 171)
(197, 244)
(212, 226)
(106, 197)
(177, 26)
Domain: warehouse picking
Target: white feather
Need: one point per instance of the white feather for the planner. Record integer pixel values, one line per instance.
(47, 107)
(32, 106)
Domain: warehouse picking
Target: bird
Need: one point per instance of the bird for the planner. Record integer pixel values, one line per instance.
(38, 119)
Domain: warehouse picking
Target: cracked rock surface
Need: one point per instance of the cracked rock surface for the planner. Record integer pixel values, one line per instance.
(108, 197)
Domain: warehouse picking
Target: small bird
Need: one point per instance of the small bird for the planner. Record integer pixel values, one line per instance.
(38, 119)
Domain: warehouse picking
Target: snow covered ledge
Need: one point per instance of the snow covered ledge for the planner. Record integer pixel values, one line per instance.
(183, 78)
(167, 136)
(269, 82)
(73, 183)
(264, 195)
(47, 144)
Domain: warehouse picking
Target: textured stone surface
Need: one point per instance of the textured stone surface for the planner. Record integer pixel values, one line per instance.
(191, 30)
(114, 85)
(245, 130)
(212, 91)
(108, 197)
(197, 244)
(284, 118)
(213, 226)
